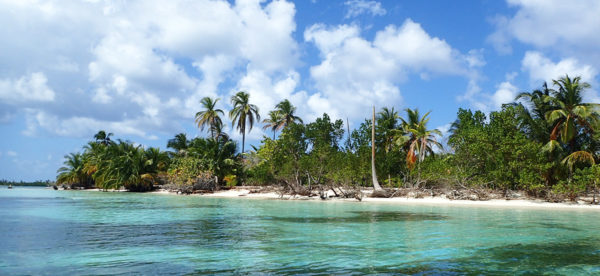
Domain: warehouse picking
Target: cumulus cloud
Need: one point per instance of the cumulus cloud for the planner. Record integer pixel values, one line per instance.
(505, 93)
(568, 26)
(139, 67)
(358, 7)
(32, 87)
(356, 73)
(541, 68)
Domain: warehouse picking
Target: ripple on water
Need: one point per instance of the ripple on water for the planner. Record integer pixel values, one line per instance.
(120, 233)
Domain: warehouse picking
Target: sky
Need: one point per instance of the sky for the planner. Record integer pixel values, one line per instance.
(138, 69)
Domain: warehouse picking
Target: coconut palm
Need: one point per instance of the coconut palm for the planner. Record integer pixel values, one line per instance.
(243, 114)
(273, 122)
(578, 157)
(217, 155)
(131, 166)
(72, 173)
(569, 111)
(387, 122)
(179, 143)
(286, 111)
(376, 185)
(533, 117)
(220, 135)
(209, 116)
(103, 138)
(419, 139)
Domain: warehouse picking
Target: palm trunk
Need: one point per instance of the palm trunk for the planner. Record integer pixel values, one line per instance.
(376, 185)
(243, 136)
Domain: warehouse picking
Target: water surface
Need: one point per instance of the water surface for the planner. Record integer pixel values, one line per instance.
(47, 232)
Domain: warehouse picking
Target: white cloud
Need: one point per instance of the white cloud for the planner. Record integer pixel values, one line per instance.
(356, 73)
(568, 26)
(487, 101)
(358, 7)
(32, 87)
(11, 153)
(541, 68)
(411, 46)
(138, 67)
(505, 93)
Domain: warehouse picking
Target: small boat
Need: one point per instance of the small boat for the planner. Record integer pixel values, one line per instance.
(10, 186)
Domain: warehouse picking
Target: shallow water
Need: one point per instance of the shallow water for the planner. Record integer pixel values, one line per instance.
(49, 232)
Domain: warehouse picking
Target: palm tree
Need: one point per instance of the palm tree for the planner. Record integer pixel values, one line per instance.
(243, 113)
(72, 173)
(376, 185)
(569, 111)
(387, 121)
(103, 138)
(272, 122)
(220, 135)
(209, 116)
(419, 139)
(286, 110)
(533, 118)
(179, 143)
(217, 155)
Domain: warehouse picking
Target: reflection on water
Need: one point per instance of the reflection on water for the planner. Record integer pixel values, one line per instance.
(71, 232)
(363, 217)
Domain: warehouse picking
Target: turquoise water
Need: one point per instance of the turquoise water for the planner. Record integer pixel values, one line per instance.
(49, 232)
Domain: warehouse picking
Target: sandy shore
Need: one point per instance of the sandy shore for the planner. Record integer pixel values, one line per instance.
(513, 203)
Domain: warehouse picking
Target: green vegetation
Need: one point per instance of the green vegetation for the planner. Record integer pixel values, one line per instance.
(43, 183)
(546, 144)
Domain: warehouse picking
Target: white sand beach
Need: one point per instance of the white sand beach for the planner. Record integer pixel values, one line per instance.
(245, 192)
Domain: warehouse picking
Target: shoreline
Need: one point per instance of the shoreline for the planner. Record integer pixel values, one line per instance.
(246, 193)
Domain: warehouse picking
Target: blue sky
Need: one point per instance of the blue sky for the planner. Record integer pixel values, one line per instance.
(139, 68)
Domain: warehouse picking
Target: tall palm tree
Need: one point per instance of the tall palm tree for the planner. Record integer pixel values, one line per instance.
(419, 139)
(286, 110)
(570, 112)
(273, 122)
(103, 138)
(376, 185)
(209, 116)
(243, 114)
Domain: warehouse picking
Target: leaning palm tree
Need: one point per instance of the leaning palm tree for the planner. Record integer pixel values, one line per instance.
(72, 173)
(243, 114)
(376, 185)
(209, 116)
(570, 112)
(286, 111)
(273, 122)
(419, 139)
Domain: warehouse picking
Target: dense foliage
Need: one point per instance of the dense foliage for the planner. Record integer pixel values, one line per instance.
(546, 143)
